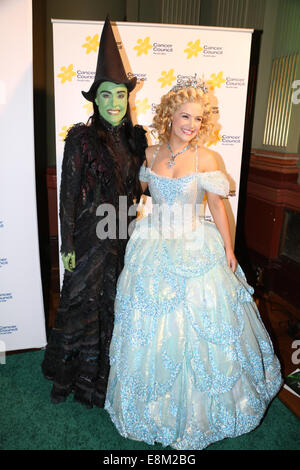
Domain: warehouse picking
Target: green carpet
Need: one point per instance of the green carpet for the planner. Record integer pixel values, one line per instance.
(29, 421)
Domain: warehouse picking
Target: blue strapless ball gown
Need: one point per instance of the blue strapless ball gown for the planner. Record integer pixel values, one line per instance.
(191, 361)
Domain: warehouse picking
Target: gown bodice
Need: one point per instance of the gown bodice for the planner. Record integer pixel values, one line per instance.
(188, 189)
(176, 201)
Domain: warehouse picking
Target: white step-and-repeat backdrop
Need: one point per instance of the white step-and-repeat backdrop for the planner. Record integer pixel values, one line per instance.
(158, 55)
(22, 323)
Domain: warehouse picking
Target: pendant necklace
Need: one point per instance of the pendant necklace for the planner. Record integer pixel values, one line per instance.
(171, 162)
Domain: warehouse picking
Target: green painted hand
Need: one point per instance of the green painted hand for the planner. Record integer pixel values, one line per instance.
(69, 261)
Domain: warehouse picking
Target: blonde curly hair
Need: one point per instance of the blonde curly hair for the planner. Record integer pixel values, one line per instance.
(171, 101)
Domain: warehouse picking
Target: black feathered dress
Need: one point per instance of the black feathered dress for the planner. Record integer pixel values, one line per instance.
(100, 164)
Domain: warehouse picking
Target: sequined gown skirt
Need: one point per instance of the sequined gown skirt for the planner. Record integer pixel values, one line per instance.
(191, 361)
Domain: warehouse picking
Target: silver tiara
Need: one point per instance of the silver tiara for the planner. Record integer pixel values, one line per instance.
(190, 83)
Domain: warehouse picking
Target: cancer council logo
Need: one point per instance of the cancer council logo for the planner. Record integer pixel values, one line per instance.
(66, 74)
(167, 78)
(141, 106)
(92, 43)
(88, 107)
(193, 49)
(216, 80)
(214, 138)
(64, 132)
(143, 46)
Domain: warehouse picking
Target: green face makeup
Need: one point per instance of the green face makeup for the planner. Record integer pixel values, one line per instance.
(111, 100)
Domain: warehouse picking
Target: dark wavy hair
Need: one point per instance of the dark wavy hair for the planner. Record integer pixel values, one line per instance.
(130, 140)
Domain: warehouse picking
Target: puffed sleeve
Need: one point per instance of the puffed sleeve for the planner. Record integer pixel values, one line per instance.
(70, 188)
(143, 175)
(215, 182)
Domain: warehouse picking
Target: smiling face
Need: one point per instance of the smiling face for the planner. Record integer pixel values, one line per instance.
(187, 121)
(111, 100)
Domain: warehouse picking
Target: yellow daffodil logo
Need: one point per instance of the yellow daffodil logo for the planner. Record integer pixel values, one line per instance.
(193, 49)
(141, 106)
(143, 46)
(167, 78)
(64, 132)
(88, 107)
(92, 43)
(216, 80)
(66, 73)
(214, 138)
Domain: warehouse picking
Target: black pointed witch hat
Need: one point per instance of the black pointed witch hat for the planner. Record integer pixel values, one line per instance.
(109, 65)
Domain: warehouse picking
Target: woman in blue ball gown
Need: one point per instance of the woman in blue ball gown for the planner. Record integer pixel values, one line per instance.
(191, 361)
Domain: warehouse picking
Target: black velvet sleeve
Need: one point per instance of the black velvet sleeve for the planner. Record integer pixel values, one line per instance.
(140, 142)
(70, 187)
(141, 145)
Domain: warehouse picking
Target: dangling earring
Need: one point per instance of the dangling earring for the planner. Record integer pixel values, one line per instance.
(169, 124)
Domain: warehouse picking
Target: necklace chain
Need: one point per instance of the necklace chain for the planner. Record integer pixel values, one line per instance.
(171, 162)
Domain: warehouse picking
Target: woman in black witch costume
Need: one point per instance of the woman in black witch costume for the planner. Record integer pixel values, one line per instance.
(101, 163)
